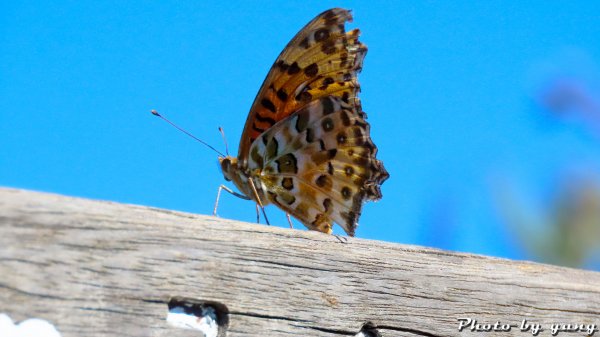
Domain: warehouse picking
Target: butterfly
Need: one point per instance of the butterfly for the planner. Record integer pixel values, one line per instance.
(306, 145)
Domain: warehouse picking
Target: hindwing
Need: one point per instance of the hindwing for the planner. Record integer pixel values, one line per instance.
(319, 164)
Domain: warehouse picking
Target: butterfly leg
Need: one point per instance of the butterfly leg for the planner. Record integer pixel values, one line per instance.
(257, 214)
(258, 202)
(223, 187)
(289, 220)
(341, 239)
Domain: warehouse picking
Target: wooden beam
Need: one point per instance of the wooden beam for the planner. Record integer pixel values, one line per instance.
(107, 269)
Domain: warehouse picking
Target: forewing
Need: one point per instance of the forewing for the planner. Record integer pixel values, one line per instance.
(321, 60)
(319, 164)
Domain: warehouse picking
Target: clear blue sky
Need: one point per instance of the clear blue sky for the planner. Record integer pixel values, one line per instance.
(449, 88)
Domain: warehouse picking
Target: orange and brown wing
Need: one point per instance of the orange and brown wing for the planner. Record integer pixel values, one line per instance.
(321, 60)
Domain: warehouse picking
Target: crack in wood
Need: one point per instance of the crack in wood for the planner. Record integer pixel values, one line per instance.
(256, 315)
(413, 331)
(330, 331)
(586, 312)
(29, 293)
(294, 265)
(112, 311)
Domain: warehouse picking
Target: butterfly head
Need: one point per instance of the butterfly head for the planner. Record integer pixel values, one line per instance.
(228, 167)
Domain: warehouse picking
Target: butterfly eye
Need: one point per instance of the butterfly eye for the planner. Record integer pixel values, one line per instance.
(225, 168)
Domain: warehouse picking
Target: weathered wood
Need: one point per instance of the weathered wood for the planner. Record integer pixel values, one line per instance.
(96, 268)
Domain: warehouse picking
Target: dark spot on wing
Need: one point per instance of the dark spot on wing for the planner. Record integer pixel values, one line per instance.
(310, 135)
(287, 183)
(293, 69)
(324, 181)
(282, 65)
(346, 193)
(272, 148)
(322, 144)
(360, 123)
(265, 102)
(288, 198)
(346, 97)
(326, 82)
(327, 204)
(327, 124)
(341, 137)
(304, 96)
(267, 120)
(301, 122)
(358, 137)
(282, 95)
(349, 170)
(287, 164)
(321, 34)
(311, 70)
(345, 118)
(328, 106)
(258, 159)
(304, 43)
(331, 153)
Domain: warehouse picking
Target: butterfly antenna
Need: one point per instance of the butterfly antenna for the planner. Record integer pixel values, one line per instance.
(224, 140)
(155, 113)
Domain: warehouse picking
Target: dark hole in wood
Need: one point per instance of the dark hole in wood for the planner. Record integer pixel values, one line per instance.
(197, 308)
(369, 330)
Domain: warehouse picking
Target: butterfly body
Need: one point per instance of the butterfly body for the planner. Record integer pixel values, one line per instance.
(306, 146)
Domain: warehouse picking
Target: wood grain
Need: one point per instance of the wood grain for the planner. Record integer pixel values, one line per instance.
(96, 268)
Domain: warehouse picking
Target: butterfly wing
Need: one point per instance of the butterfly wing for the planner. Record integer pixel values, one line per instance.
(321, 60)
(319, 164)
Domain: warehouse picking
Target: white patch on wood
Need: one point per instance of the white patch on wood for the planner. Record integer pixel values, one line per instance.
(33, 327)
(207, 323)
